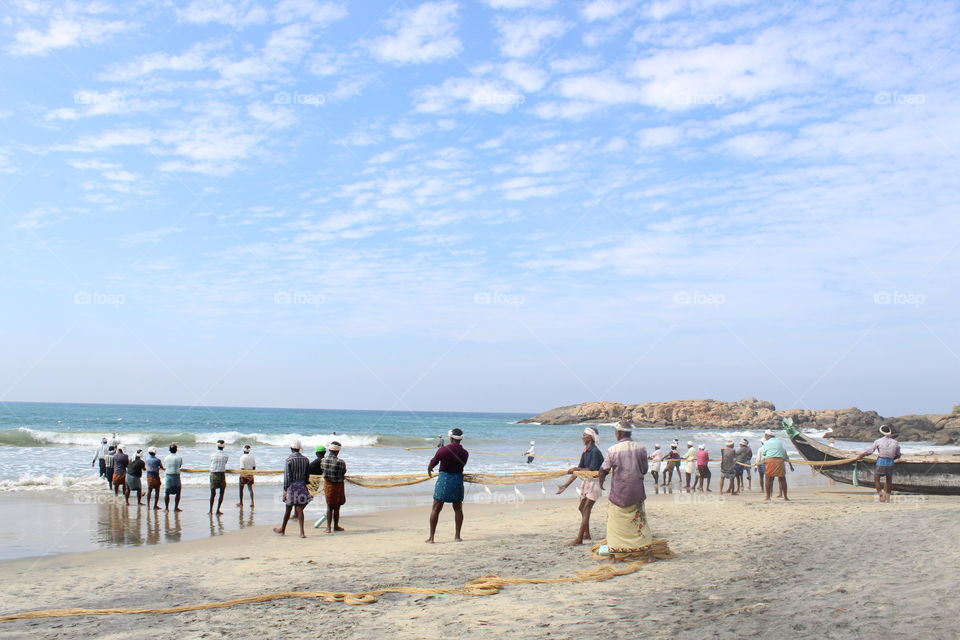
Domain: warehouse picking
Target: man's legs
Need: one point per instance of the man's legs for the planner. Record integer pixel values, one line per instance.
(286, 516)
(223, 490)
(783, 487)
(586, 506)
(458, 520)
(434, 518)
(213, 494)
(300, 520)
(769, 487)
(250, 487)
(336, 519)
(329, 518)
(176, 504)
(240, 504)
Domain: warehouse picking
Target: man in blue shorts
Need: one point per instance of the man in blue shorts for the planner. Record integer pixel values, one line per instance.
(172, 464)
(888, 451)
(449, 488)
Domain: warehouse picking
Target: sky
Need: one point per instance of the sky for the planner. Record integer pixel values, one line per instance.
(497, 205)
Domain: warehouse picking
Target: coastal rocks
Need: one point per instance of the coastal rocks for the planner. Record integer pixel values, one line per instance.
(851, 423)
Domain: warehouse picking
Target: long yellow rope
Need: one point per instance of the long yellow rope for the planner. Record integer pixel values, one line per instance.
(486, 585)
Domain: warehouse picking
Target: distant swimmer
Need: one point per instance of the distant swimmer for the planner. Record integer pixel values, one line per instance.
(120, 462)
(172, 464)
(296, 472)
(153, 466)
(888, 452)
(449, 487)
(98, 457)
(530, 452)
(134, 476)
(334, 472)
(591, 459)
(218, 475)
(247, 463)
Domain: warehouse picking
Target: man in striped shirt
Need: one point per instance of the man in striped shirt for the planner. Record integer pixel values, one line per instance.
(218, 475)
(296, 473)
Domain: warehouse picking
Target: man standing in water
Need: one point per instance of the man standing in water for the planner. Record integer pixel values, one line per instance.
(728, 468)
(334, 471)
(590, 460)
(247, 463)
(99, 456)
(153, 466)
(655, 461)
(449, 488)
(888, 451)
(120, 462)
(774, 457)
(530, 452)
(295, 495)
(108, 465)
(172, 464)
(218, 475)
(134, 475)
(744, 458)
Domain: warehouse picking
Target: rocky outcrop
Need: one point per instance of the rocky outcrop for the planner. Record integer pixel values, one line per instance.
(751, 413)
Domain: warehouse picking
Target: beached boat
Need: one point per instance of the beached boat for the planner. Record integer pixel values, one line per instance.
(913, 473)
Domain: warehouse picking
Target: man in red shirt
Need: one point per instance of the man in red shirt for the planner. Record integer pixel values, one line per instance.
(449, 488)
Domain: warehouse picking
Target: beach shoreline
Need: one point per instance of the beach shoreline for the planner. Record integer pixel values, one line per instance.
(743, 566)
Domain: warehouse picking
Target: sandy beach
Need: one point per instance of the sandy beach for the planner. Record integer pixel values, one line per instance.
(829, 564)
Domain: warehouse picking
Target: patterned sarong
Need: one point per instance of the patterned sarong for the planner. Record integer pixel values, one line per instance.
(449, 487)
(627, 530)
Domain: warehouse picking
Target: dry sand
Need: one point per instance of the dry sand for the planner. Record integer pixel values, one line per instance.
(824, 565)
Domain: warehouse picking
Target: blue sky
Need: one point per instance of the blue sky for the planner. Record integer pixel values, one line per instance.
(498, 205)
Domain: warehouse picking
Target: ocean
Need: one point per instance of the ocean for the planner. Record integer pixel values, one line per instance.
(46, 477)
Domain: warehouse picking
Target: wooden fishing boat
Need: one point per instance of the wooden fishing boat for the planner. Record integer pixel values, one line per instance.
(913, 473)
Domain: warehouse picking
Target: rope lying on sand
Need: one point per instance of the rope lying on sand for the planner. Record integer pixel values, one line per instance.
(487, 585)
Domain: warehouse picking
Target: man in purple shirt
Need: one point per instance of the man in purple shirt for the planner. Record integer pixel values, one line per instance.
(626, 462)
(449, 488)
(888, 451)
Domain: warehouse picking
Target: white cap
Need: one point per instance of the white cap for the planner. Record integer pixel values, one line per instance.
(768, 432)
(152, 450)
(689, 443)
(532, 442)
(703, 446)
(295, 444)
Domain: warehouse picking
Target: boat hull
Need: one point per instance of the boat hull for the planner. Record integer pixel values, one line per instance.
(937, 477)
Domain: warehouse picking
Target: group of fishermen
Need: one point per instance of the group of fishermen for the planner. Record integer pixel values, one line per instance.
(625, 465)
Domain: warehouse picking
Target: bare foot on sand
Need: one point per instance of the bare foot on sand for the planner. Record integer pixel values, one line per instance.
(458, 539)
(574, 543)
(276, 530)
(339, 529)
(303, 535)
(429, 540)
(239, 504)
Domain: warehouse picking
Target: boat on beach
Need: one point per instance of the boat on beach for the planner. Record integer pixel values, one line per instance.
(930, 473)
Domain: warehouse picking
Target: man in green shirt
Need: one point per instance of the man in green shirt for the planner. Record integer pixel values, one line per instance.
(774, 456)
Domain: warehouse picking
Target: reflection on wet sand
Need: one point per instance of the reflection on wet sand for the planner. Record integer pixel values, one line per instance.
(171, 533)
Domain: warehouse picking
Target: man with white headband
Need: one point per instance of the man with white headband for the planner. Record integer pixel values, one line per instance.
(296, 473)
(247, 463)
(728, 468)
(530, 452)
(774, 457)
(689, 465)
(334, 471)
(590, 460)
(627, 530)
(744, 458)
(655, 462)
(888, 451)
(449, 488)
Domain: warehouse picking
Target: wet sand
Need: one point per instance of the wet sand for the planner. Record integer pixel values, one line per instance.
(826, 565)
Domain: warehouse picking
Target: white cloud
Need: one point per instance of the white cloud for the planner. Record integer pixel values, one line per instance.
(196, 58)
(98, 165)
(526, 77)
(235, 13)
(602, 89)
(38, 218)
(470, 94)
(524, 37)
(605, 9)
(424, 34)
(320, 13)
(660, 136)
(152, 236)
(64, 32)
(519, 4)
(112, 138)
